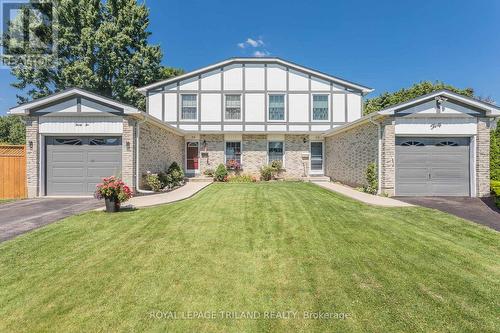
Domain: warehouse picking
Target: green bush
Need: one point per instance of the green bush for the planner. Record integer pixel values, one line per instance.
(220, 173)
(495, 190)
(495, 154)
(241, 179)
(153, 181)
(267, 172)
(209, 172)
(371, 179)
(175, 174)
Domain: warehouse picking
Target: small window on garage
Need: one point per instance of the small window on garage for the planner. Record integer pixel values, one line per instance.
(104, 141)
(446, 143)
(412, 143)
(68, 141)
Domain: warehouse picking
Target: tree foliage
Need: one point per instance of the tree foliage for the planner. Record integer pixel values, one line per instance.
(12, 130)
(102, 46)
(405, 94)
(495, 154)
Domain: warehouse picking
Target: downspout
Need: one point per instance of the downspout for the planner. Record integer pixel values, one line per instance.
(137, 145)
(379, 162)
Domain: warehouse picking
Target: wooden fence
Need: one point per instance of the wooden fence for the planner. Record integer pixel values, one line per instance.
(12, 172)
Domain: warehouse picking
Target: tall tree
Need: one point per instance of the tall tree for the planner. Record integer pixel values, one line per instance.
(387, 99)
(102, 46)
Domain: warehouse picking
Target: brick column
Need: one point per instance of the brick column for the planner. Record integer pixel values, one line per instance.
(32, 158)
(483, 158)
(128, 152)
(388, 155)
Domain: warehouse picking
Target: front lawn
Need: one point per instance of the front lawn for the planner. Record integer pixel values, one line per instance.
(263, 249)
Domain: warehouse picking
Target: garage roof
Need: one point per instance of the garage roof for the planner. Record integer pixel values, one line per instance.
(490, 109)
(25, 108)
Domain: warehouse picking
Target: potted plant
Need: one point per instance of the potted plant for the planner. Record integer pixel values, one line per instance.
(114, 191)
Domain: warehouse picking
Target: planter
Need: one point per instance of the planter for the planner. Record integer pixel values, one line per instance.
(112, 205)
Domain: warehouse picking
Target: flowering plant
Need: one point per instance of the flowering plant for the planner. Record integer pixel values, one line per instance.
(113, 188)
(233, 165)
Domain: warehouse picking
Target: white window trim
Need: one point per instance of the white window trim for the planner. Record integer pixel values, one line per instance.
(284, 151)
(241, 107)
(284, 109)
(197, 107)
(241, 151)
(329, 108)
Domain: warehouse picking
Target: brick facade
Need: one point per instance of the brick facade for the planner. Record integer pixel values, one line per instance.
(211, 151)
(128, 152)
(295, 148)
(349, 153)
(32, 156)
(158, 148)
(483, 157)
(388, 174)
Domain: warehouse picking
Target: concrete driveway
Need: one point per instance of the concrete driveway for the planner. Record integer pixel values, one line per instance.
(482, 211)
(19, 217)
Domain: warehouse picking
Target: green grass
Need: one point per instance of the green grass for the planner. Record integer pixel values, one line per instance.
(254, 247)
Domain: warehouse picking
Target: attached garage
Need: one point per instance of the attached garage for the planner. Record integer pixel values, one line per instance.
(76, 164)
(432, 166)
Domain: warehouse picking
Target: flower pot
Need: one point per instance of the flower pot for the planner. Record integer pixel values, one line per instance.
(112, 205)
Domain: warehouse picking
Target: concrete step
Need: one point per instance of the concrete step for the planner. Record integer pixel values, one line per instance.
(316, 179)
(199, 179)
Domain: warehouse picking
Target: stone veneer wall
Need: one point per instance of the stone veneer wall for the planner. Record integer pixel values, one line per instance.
(295, 165)
(483, 157)
(128, 152)
(349, 153)
(32, 158)
(158, 148)
(388, 177)
(254, 153)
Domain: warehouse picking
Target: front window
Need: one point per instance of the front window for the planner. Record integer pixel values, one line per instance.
(233, 107)
(320, 107)
(276, 107)
(189, 107)
(233, 152)
(275, 151)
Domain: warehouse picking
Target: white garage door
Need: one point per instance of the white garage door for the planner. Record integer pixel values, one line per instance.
(432, 166)
(75, 165)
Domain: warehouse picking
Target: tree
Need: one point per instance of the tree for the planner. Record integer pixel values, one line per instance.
(418, 89)
(102, 46)
(495, 154)
(12, 130)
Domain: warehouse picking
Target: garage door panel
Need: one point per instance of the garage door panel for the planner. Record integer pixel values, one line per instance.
(432, 166)
(409, 173)
(77, 169)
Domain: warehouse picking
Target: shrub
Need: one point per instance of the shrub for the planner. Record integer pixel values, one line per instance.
(371, 179)
(209, 172)
(241, 179)
(175, 175)
(220, 173)
(277, 165)
(267, 172)
(495, 190)
(153, 181)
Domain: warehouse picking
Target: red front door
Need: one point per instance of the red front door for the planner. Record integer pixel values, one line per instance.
(192, 156)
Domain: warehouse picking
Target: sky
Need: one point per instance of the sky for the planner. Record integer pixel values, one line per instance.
(386, 45)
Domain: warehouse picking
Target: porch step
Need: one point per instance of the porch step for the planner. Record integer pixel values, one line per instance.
(199, 179)
(316, 179)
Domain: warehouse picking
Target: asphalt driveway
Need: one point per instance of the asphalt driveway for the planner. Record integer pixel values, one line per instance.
(482, 211)
(19, 217)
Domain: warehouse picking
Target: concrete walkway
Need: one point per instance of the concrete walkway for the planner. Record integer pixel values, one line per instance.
(184, 192)
(361, 196)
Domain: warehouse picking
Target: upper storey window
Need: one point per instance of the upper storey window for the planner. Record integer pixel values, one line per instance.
(189, 107)
(320, 107)
(233, 107)
(276, 107)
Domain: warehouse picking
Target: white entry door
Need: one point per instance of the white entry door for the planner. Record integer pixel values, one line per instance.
(316, 164)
